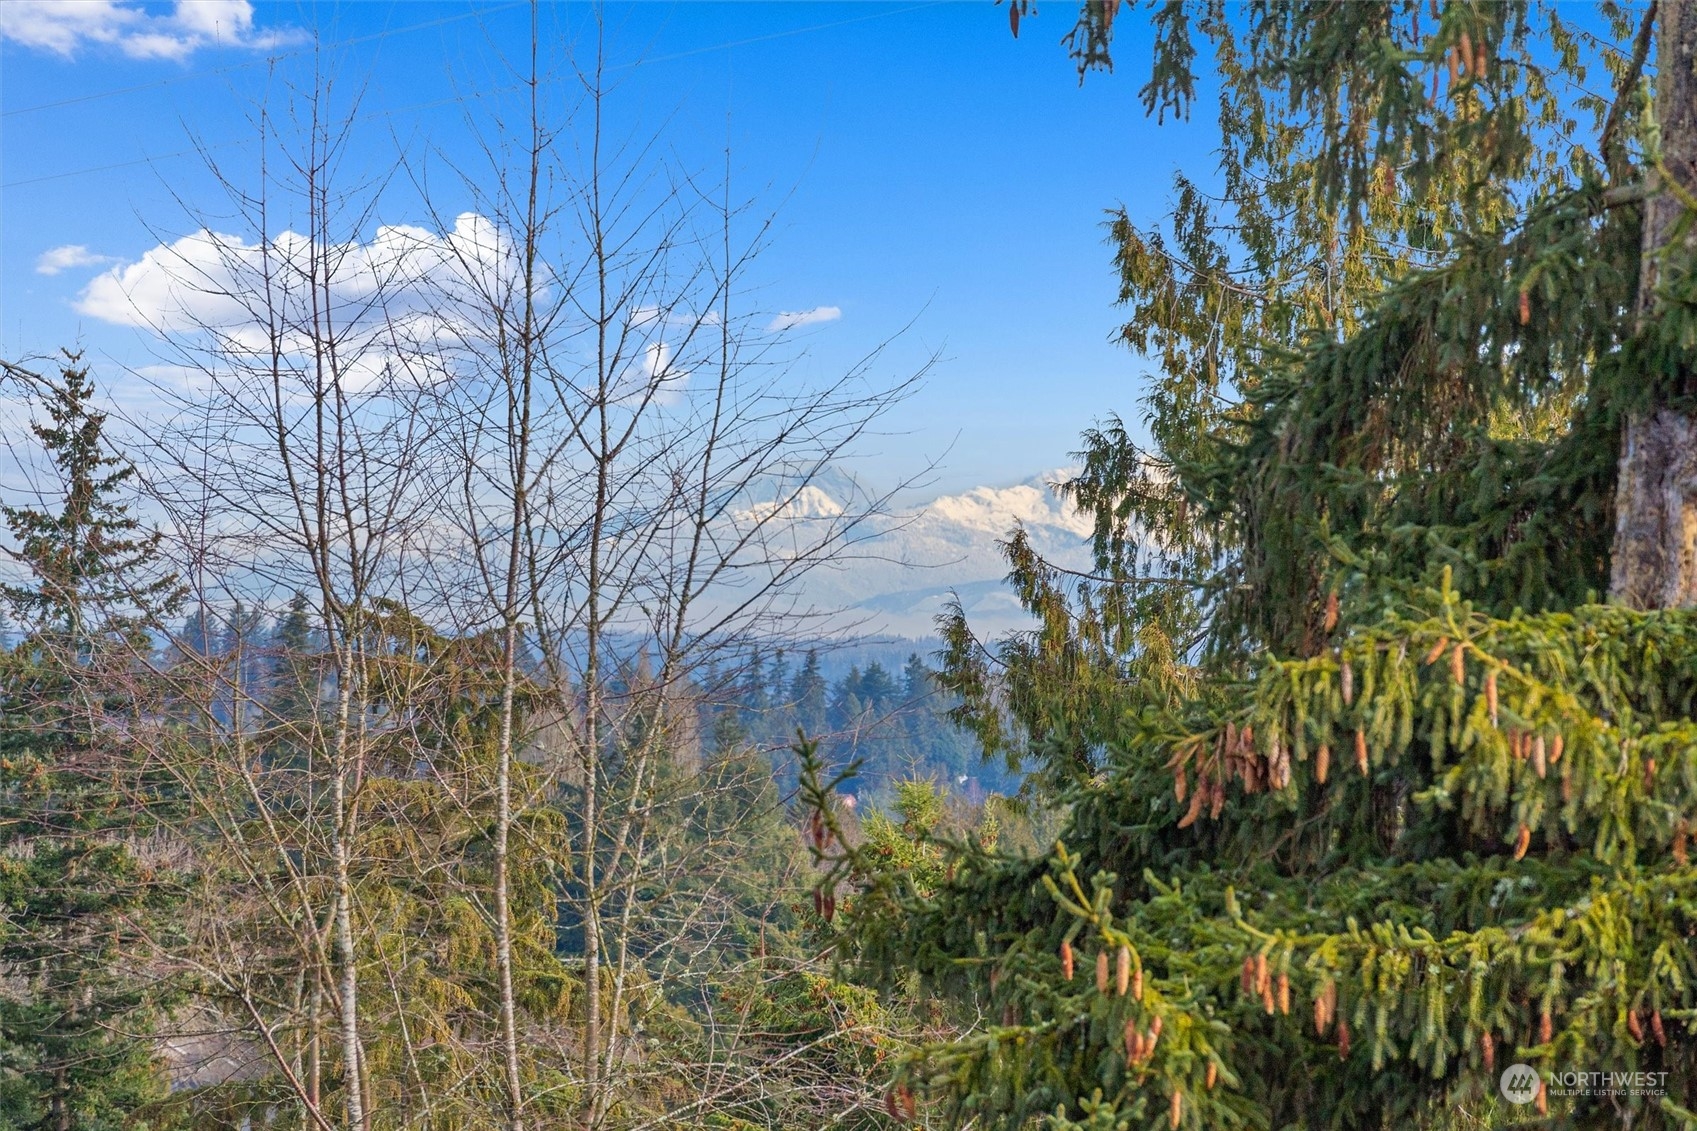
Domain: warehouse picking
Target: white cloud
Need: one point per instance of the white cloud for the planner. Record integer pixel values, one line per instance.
(789, 320)
(670, 317)
(71, 255)
(658, 363)
(409, 296)
(410, 303)
(63, 27)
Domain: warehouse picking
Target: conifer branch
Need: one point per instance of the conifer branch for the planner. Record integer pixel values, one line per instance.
(1628, 80)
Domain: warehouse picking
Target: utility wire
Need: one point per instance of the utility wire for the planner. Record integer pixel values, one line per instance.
(264, 60)
(147, 160)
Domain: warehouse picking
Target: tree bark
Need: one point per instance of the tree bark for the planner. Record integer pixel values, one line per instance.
(1654, 562)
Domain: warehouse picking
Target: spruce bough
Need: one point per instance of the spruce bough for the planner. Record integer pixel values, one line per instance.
(1370, 794)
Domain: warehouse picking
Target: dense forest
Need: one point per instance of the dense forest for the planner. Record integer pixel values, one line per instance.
(891, 726)
(418, 723)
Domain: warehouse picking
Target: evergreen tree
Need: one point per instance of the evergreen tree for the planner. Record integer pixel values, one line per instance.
(194, 638)
(847, 707)
(877, 691)
(916, 680)
(78, 899)
(1370, 797)
(778, 680)
(926, 725)
(808, 692)
(292, 682)
(241, 640)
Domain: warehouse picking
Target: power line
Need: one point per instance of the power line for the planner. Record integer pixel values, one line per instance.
(782, 34)
(266, 60)
(149, 159)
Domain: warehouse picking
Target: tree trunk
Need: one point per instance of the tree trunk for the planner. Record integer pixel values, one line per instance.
(1655, 545)
(347, 954)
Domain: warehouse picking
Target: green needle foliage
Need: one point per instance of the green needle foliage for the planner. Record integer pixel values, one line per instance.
(83, 882)
(1369, 796)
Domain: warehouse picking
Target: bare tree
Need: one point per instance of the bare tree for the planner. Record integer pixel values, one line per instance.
(534, 469)
(636, 462)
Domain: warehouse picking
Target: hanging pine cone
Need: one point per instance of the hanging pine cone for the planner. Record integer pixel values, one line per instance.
(1102, 972)
(1066, 960)
(1322, 763)
(1122, 970)
(1198, 798)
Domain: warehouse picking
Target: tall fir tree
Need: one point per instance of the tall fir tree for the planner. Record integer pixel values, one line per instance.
(78, 895)
(1371, 795)
(808, 694)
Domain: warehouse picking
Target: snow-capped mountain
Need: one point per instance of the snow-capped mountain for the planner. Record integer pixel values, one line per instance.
(898, 581)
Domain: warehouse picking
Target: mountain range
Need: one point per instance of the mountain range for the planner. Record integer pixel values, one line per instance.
(896, 582)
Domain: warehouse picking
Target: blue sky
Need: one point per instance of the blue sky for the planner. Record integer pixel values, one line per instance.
(926, 168)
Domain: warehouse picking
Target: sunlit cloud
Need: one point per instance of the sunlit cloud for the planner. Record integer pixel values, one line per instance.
(65, 27)
(789, 320)
(408, 296)
(67, 258)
